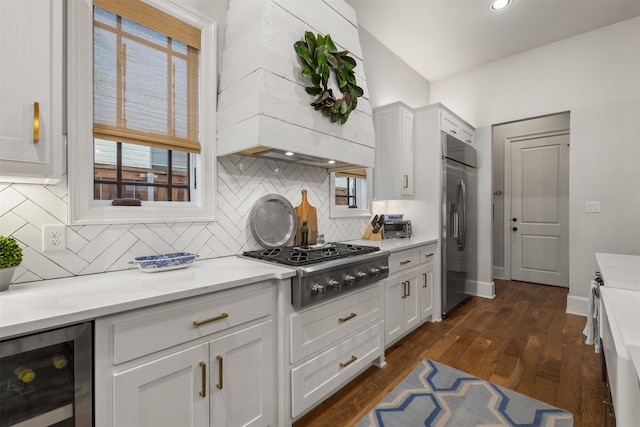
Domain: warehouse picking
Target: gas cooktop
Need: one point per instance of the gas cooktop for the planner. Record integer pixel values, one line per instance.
(297, 256)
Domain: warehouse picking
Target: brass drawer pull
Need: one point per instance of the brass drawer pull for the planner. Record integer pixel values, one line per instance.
(220, 372)
(213, 319)
(429, 254)
(36, 121)
(452, 132)
(349, 317)
(349, 362)
(405, 262)
(426, 284)
(406, 181)
(203, 392)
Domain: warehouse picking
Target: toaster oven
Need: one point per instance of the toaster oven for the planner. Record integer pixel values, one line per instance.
(396, 229)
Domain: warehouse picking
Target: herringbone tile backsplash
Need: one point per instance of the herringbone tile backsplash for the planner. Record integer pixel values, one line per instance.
(24, 209)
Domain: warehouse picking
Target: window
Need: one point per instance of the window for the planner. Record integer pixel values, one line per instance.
(145, 102)
(142, 81)
(350, 194)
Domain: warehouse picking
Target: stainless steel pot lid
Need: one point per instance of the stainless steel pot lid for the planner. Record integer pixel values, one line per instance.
(273, 221)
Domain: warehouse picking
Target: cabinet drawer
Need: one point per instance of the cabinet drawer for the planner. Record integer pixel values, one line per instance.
(403, 260)
(320, 376)
(428, 253)
(163, 327)
(319, 327)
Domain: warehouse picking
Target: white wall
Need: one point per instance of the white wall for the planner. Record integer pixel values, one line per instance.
(596, 76)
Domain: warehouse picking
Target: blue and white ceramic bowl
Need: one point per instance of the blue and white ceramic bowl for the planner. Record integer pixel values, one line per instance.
(164, 262)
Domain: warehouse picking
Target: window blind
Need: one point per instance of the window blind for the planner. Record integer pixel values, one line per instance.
(145, 76)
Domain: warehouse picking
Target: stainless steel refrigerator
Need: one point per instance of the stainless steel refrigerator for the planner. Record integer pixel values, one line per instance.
(458, 220)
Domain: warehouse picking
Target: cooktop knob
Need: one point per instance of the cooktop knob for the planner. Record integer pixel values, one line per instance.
(349, 280)
(317, 289)
(333, 284)
(384, 269)
(374, 271)
(361, 275)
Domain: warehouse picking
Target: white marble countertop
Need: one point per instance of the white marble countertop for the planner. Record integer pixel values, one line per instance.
(620, 271)
(35, 306)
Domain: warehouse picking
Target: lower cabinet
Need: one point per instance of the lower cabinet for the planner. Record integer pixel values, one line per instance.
(225, 376)
(402, 304)
(410, 291)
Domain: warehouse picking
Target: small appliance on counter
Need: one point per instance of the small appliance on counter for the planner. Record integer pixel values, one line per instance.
(396, 228)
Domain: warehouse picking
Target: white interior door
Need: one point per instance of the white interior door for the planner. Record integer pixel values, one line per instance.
(538, 224)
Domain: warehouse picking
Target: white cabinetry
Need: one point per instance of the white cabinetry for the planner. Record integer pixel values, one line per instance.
(394, 171)
(454, 125)
(410, 291)
(332, 342)
(206, 361)
(31, 140)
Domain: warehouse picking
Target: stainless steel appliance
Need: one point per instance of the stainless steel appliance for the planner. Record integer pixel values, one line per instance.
(327, 271)
(458, 220)
(46, 378)
(396, 229)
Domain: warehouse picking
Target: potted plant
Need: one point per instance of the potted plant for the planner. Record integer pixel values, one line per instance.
(10, 258)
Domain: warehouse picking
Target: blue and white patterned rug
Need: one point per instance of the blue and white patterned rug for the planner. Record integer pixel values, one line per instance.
(434, 394)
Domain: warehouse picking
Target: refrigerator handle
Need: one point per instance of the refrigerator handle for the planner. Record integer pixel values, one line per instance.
(462, 216)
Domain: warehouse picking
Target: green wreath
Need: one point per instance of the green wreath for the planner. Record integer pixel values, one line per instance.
(320, 57)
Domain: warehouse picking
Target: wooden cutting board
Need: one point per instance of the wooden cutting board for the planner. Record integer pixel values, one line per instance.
(304, 211)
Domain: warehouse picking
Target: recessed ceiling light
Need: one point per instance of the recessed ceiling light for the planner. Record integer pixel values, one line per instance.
(288, 153)
(331, 162)
(499, 4)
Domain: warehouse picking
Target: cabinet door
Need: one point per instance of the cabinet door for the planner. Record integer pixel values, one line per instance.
(31, 148)
(406, 147)
(426, 291)
(242, 377)
(412, 299)
(166, 392)
(393, 308)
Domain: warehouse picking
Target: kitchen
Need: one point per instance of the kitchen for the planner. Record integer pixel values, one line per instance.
(601, 119)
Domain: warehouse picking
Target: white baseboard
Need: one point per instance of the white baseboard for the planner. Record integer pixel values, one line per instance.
(480, 289)
(577, 305)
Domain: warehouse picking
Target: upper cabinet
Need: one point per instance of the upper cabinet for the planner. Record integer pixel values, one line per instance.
(394, 172)
(455, 126)
(31, 106)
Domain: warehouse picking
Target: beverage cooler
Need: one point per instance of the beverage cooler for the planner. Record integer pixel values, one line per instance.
(46, 378)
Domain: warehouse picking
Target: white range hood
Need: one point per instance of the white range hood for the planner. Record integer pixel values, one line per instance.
(263, 109)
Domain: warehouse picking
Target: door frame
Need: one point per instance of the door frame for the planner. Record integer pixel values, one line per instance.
(507, 190)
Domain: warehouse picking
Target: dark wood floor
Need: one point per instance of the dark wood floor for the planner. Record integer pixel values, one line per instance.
(522, 339)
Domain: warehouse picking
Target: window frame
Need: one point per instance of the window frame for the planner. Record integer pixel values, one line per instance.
(83, 209)
(344, 211)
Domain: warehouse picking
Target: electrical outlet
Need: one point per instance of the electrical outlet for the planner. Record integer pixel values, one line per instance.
(592, 207)
(53, 238)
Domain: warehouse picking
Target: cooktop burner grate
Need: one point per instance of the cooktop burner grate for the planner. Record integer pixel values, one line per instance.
(300, 256)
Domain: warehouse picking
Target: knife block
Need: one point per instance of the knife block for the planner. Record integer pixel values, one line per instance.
(370, 235)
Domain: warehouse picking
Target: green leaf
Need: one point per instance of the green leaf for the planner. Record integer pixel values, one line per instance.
(341, 53)
(312, 90)
(327, 111)
(356, 91)
(307, 72)
(315, 79)
(351, 78)
(321, 58)
(343, 108)
(329, 43)
(332, 60)
(349, 62)
(325, 73)
(311, 40)
(320, 40)
(344, 119)
(335, 117)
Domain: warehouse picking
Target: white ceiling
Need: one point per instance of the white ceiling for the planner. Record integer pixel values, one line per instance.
(441, 38)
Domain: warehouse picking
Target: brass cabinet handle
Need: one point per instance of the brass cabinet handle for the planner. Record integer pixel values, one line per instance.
(213, 319)
(406, 181)
(453, 132)
(36, 121)
(429, 254)
(349, 317)
(220, 372)
(404, 289)
(349, 362)
(468, 141)
(405, 262)
(424, 276)
(408, 288)
(203, 392)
